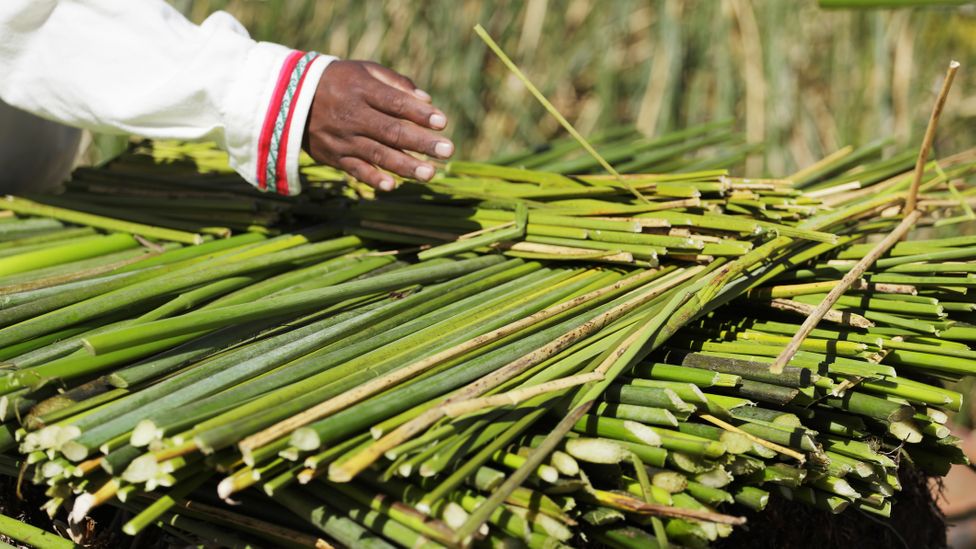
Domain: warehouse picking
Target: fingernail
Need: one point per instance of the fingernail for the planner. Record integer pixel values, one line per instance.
(424, 96)
(444, 149)
(387, 184)
(424, 172)
(437, 121)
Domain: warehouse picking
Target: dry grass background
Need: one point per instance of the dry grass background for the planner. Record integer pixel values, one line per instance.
(801, 79)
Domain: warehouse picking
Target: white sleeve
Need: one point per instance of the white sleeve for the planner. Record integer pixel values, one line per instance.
(140, 67)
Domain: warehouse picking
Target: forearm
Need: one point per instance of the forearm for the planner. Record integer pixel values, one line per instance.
(141, 68)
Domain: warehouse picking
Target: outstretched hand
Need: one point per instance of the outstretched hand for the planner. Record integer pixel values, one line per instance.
(364, 116)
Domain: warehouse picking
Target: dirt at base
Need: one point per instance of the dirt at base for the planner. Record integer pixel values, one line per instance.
(916, 523)
(102, 530)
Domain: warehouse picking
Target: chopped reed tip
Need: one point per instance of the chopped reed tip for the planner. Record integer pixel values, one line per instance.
(760, 441)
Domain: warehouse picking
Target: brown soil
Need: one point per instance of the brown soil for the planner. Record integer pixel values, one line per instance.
(916, 523)
(107, 535)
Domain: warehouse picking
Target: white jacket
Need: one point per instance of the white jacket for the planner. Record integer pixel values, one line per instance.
(140, 67)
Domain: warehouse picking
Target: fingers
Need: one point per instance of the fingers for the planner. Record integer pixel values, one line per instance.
(395, 102)
(392, 78)
(363, 171)
(391, 159)
(372, 155)
(365, 155)
(400, 134)
(367, 119)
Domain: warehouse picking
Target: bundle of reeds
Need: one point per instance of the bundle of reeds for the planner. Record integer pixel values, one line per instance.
(513, 353)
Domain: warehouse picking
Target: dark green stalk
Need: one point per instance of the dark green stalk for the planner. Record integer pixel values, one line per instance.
(284, 305)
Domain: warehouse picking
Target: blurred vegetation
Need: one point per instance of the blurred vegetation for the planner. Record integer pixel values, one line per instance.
(802, 79)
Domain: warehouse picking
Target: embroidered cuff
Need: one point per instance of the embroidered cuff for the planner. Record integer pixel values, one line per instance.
(280, 141)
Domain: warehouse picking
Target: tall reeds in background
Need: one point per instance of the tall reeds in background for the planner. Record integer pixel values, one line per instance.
(802, 79)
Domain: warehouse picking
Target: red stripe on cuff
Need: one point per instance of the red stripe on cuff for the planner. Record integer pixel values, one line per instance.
(282, 167)
(267, 130)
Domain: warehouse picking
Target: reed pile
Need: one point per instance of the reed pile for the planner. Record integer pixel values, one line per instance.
(522, 352)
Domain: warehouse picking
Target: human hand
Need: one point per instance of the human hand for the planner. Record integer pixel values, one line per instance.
(364, 116)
